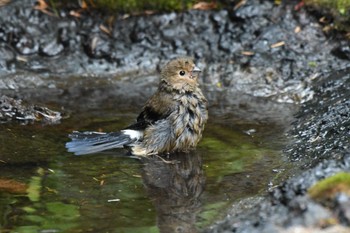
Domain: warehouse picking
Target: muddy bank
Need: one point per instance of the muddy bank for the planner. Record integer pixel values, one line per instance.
(257, 59)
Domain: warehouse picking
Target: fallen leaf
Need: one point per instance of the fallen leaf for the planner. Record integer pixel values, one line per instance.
(21, 58)
(323, 20)
(12, 186)
(149, 12)
(83, 4)
(4, 2)
(75, 14)
(238, 5)
(278, 44)
(43, 7)
(247, 53)
(51, 190)
(204, 6)
(299, 5)
(297, 29)
(93, 47)
(105, 29)
(347, 35)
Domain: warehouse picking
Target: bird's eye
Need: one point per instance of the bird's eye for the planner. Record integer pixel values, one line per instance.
(182, 73)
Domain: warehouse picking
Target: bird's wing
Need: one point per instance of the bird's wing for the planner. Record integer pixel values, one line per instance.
(147, 117)
(157, 108)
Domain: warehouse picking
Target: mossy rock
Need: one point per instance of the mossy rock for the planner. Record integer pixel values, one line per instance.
(137, 5)
(342, 6)
(128, 6)
(339, 11)
(328, 188)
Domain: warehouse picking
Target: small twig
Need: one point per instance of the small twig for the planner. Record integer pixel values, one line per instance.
(166, 161)
(113, 200)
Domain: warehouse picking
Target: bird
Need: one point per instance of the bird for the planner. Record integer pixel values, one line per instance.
(172, 119)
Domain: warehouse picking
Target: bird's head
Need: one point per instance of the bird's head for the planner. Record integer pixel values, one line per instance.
(181, 74)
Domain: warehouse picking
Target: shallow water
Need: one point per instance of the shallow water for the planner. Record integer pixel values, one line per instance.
(43, 188)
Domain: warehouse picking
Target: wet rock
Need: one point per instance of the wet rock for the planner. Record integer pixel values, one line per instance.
(254, 36)
(331, 229)
(26, 45)
(51, 49)
(342, 208)
(68, 35)
(342, 51)
(7, 56)
(254, 10)
(323, 126)
(226, 44)
(98, 47)
(12, 109)
(288, 205)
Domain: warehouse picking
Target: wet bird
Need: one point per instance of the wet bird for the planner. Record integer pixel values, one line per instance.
(172, 120)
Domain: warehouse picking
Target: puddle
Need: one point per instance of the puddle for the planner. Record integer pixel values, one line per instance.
(43, 188)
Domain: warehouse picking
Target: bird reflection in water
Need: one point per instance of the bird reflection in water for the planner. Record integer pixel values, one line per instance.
(175, 186)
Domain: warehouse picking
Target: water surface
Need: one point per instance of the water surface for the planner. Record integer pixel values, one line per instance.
(43, 188)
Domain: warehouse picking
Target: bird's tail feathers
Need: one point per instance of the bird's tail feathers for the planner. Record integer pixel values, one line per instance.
(93, 142)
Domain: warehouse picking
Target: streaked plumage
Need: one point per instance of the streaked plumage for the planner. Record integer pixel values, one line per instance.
(172, 119)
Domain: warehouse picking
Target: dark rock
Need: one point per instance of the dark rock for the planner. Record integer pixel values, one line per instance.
(13, 109)
(214, 37)
(98, 47)
(7, 56)
(7, 53)
(342, 208)
(342, 51)
(27, 45)
(325, 127)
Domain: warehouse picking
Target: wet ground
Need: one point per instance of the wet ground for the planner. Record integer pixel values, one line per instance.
(277, 84)
(320, 149)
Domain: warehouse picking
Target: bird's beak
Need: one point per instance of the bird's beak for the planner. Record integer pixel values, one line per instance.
(194, 72)
(196, 69)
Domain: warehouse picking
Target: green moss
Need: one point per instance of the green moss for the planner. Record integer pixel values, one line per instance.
(312, 64)
(137, 5)
(329, 187)
(339, 11)
(130, 6)
(340, 5)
